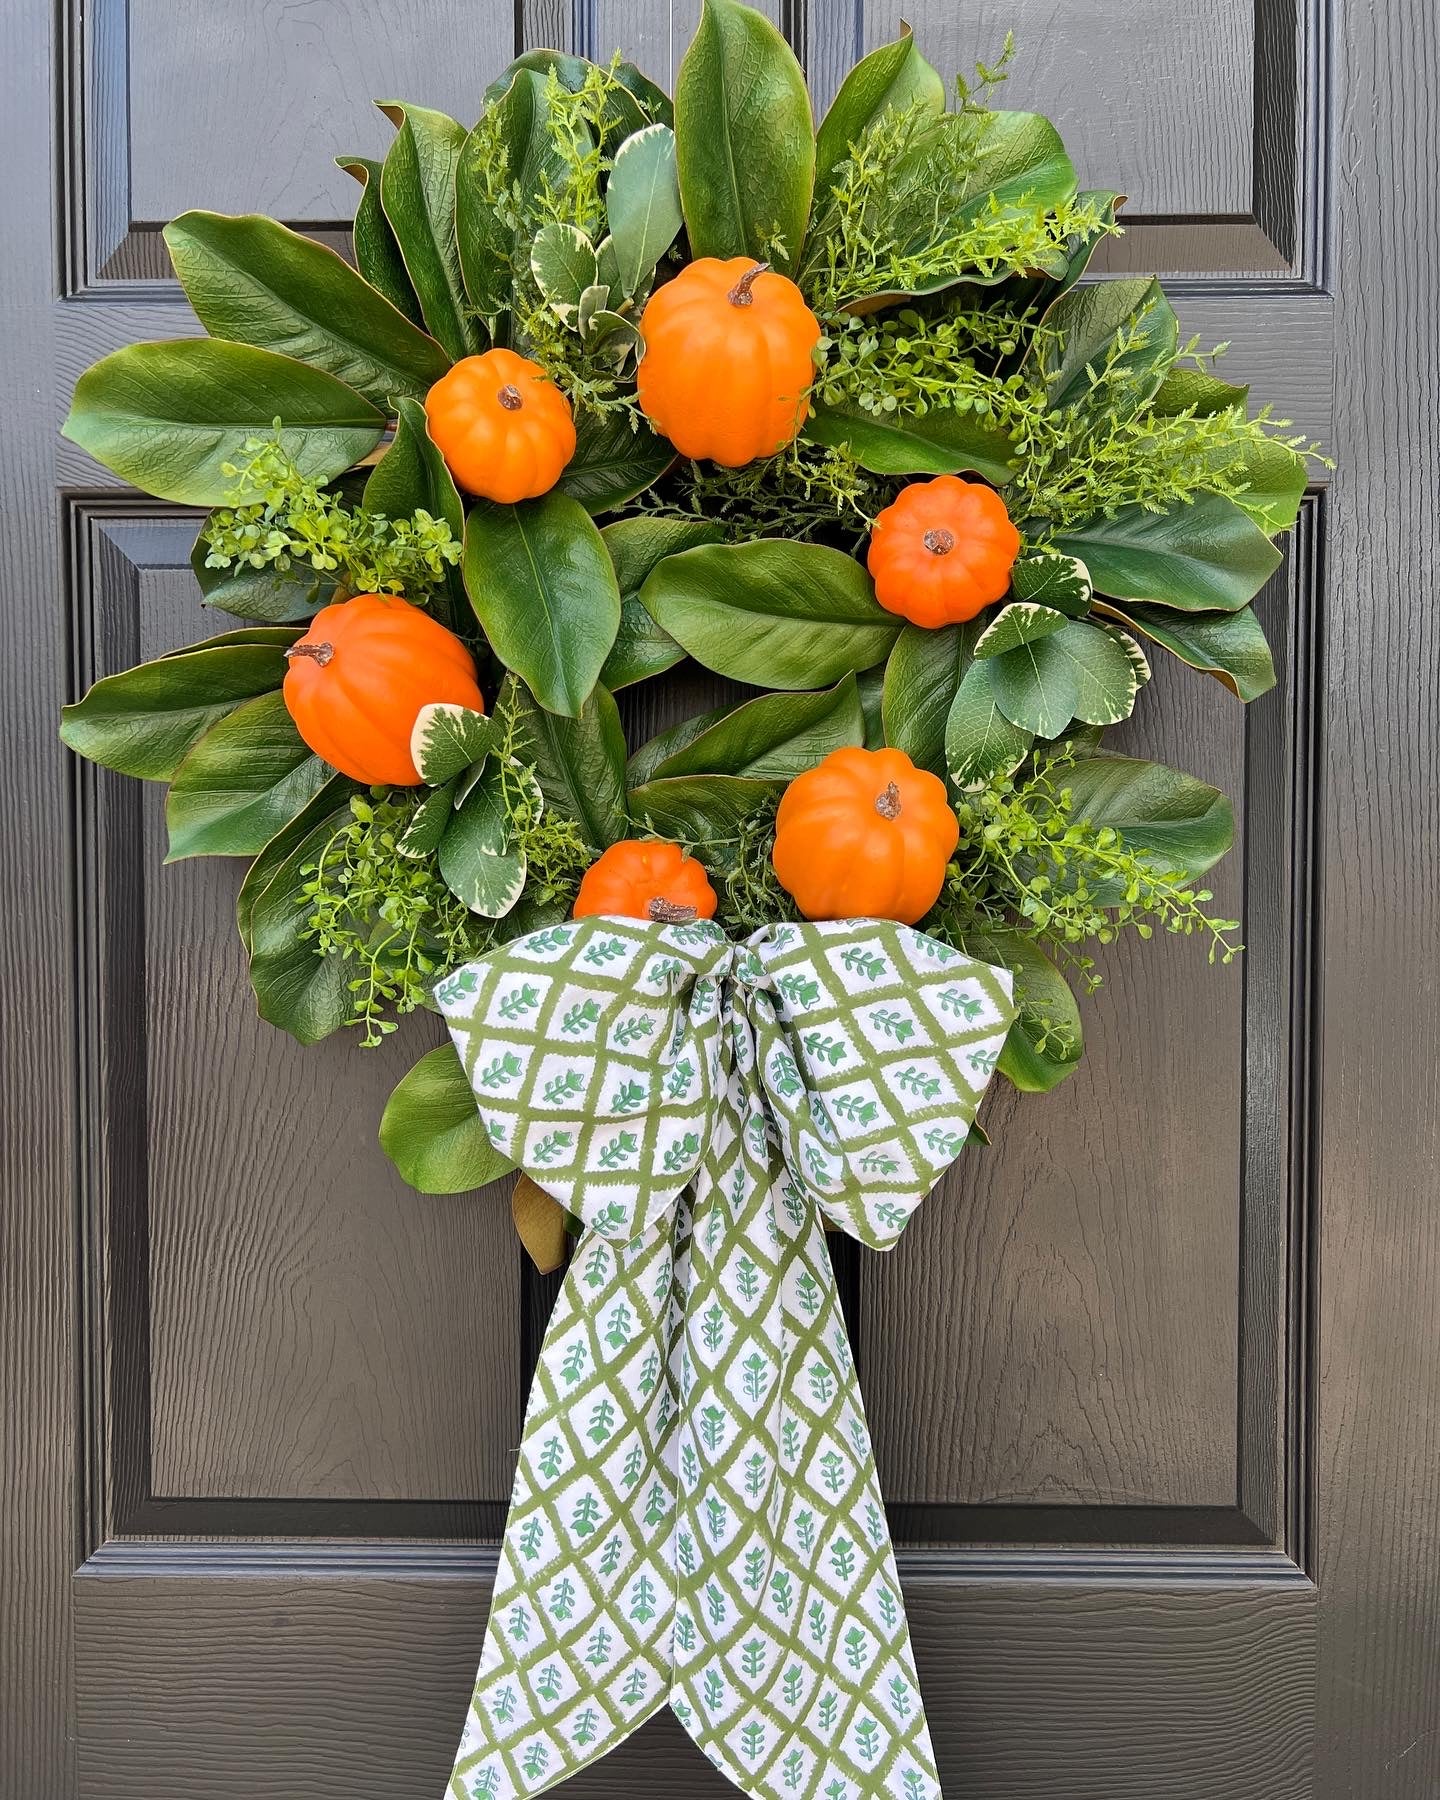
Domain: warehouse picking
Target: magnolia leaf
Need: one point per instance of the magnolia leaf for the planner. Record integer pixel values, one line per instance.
(168, 417)
(539, 1221)
(1275, 481)
(562, 260)
(1049, 579)
(296, 988)
(279, 596)
(446, 739)
(632, 100)
(922, 678)
(329, 807)
(477, 860)
(665, 744)
(412, 477)
(704, 811)
(1187, 390)
(776, 735)
(981, 744)
(509, 148)
(614, 460)
(1083, 245)
(770, 612)
(939, 442)
(1229, 646)
(642, 203)
(432, 1132)
(244, 780)
(1047, 1039)
(253, 281)
(282, 636)
(1203, 556)
(1021, 622)
(543, 586)
(143, 721)
(745, 139)
(428, 822)
(417, 190)
(1183, 824)
(1124, 329)
(896, 77)
(579, 763)
(377, 253)
(641, 649)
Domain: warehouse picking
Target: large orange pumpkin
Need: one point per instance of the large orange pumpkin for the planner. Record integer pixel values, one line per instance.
(643, 879)
(504, 428)
(942, 551)
(360, 675)
(864, 835)
(729, 358)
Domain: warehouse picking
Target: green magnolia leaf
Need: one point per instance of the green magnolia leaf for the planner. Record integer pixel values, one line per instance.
(1084, 245)
(167, 417)
(429, 822)
(512, 146)
(1049, 579)
(279, 596)
(446, 740)
(243, 781)
(1047, 1040)
(1275, 479)
(579, 763)
(477, 861)
(1184, 825)
(777, 614)
(1229, 646)
(940, 442)
(980, 742)
(702, 811)
(613, 462)
(636, 103)
(1201, 557)
(745, 139)
(281, 635)
(1125, 326)
(1021, 622)
(562, 260)
(329, 807)
(665, 744)
(777, 736)
(870, 686)
(417, 190)
(894, 77)
(1193, 390)
(296, 988)
(641, 648)
(254, 282)
(543, 586)
(642, 203)
(432, 1132)
(377, 253)
(144, 721)
(412, 477)
(922, 679)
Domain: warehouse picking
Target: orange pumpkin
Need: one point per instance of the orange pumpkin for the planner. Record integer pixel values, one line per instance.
(641, 878)
(504, 428)
(864, 835)
(360, 675)
(729, 358)
(942, 551)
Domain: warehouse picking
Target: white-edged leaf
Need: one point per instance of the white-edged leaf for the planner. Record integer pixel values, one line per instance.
(427, 824)
(1139, 661)
(980, 742)
(446, 739)
(1019, 623)
(562, 260)
(1050, 579)
(1106, 677)
(477, 859)
(594, 300)
(642, 202)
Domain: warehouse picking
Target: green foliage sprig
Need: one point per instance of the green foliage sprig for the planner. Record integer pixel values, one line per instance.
(279, 518)
(804, 492)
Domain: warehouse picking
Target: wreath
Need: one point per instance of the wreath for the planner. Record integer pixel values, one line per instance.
(823, 428)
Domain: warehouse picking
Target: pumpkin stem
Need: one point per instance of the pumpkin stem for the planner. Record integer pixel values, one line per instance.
(666, 912)
(740, 294)
(320, 652)
(509, 397)
(887, 804)
(939, 542)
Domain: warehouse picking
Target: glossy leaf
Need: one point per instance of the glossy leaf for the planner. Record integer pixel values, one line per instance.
(980, 742)
(896, 77)
(330, 807)
(417, 190)
(412, 477)
(476, 858)
(274, 595)
(1047, 1040)
(922, 678)
(377, 253)
(642, 204)
(514, 150)
(665, 744)
(641, 648)
(543, 586)
(636, 546)
(166, 417)
(252, 281)
(1185, 825)
(637, 103)
(432, 1132)
(1049, 579)
(1275, 479)
(745, 139)
(1201, 557)
(777, 614)
(940, 442)
(613, 462)
(562, 260)
(296, 988)
(703, 811)
(579, 763)
(1185, 389)
(1021, 622)
(1229, 646)
(777, 735)
(1084, 333)
(243, 781)
(144, 721)
(446, 740)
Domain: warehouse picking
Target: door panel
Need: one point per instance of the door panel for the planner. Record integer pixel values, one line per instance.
(266, 1400)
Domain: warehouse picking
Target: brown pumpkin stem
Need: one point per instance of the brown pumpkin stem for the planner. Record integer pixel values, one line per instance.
(939, 542)
(740, 294)
(666, 912)
(887, 803)
(509, 397)
(320, 653)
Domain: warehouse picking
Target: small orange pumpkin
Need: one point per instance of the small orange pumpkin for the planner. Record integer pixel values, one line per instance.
(864, 835)
(942, 551)
(504, 428)
(729, 358)
(360, 675)
(641, 878)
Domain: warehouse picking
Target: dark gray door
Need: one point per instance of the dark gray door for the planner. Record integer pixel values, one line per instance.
(1153, 1382)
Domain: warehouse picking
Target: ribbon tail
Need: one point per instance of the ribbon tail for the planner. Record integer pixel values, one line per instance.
(578, 1646)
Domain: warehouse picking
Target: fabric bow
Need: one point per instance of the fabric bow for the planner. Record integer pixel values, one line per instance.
(696, 1515)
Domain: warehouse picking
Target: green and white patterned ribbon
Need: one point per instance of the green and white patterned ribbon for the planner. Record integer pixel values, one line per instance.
(696, 1516)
